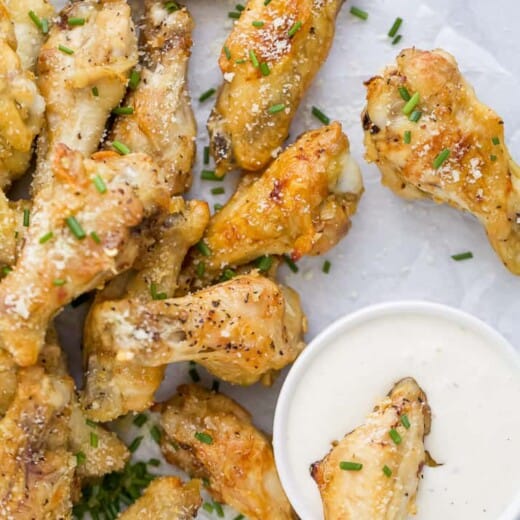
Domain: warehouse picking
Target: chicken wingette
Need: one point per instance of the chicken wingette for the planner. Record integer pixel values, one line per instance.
(160, 120)
(114, 387)
(83, 72)
(166, 498)
(432, 138)
(81, 235)
(373, 473)
(240, 330)
(301, 205)
(267, 69)
(210, 436)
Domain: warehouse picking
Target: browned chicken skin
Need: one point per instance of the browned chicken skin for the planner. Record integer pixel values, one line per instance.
(210, 436)
(476, 172)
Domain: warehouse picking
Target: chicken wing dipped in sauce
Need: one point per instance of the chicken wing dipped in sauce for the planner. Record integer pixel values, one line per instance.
(432, 138)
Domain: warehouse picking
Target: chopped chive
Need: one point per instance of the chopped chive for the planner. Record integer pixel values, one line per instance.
(204, 437)
(397, 39)
(203, 248)
(234, 15)
(294, 29)
(462, 256)
(6, 270)
(217, 206)
(276, 108)
(239, 7)
(123, 111)
(407, 137)
(241, 61)
(46, 237)
(45, 26)
(94, 439)
(156, 433)
(495, 140)
(356, 11)
(350, 466)
(258, 23)
(206, 155)
(26, 217)
(95, 237)
(120, 147)
(215, 386)
(200, 269)
(405, 421)
(58, 282)
(241, 516)
(91, 423)
(254, 59)
(264, 68)
(135, 79)
(206, 95)
(41, 23)
(326, 267)
(76, 21)
(411, 104)
(387, 471)
(228, 274)
(157, 295)
(318, 114)
(439, 160)
(395, 27)
(194, 375)
(209, 175)
(140, 419)
(415, 116)
(80, 458)
(171, 6)
(95, 91)
(493, 158)
(267, 2)
(292, 266)
(99, 183)
(154, 462)
(218, 509)
(218, 191)
(134, 445)
(403, 92)
(208, 507)
(65, 49)
(227, 52)
(264, 263)
(75, 228)
(394, 435)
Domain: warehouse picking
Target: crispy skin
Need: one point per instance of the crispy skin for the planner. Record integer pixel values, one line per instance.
(242, 131)
(105, 50)
(301, 205)
(238, 462)
(163, 124)
(21, 107)
(239, 330)
(166, 498)
(369, 494)
(479, 176)
(115, 387)
(29, 295)
(30, 38)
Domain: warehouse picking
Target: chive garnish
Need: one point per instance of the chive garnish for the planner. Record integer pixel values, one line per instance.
(218, 509)
(397, 39)
(394, 435)
(218, 191)
(387, 471)
(254, 59)
(290, 263)
(294, 29)
(41, 23)
(204, 437)
(209, 175)
(350, 466)
(217, 207)
(99, 183)
(200, 269)
(203, 248)
(276, 108)
(407, 137)
(58, 282)
(156, 433)
(76, 21)
(411, 104)
(240, 61)
(228, 274)
(206, 95)
(6, 270)
(81, 458)
(65, 49)
(134, 445)
(493, 158)
(171, 6)
(403, 92)
(206, 155)
(120, 147)
(140, 419)
(318, 114)
(264, 68)
(267, 2)
(95, 91)
(415, 116)
(208, 507)
(326, 267)
(241, 516)
(462, 256)
(495, 140)
(45, 26)
(75, 228)
(194, 375)
(95, 237)
(356, 11)
(234, 15)
(46, 237)
(395, 27)
(157, 295)
(439, 160)
(91, 423)
(258, 23)
(239, 7)
(123, 111)
(94, 440)
(26, 218)
(135, 79)
(405, 421)
(227, 52)
(264, 263)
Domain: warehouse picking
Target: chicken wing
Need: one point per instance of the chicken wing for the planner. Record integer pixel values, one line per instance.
(161, 122)
(210, 436)
(239, 330)
(267, 70)
(301, 205)
(83, 73)
(80, 236)
(21, 106)
(373, 472)
(115, 387)
(454, 153)
(166, 498)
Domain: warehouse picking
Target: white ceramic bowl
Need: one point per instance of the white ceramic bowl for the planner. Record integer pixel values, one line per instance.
(306, 501)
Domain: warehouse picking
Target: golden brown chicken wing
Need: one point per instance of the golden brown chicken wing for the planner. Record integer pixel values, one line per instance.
(268, 62)
(239, 330)
(166, 498)
(83, 72)
(432, 138)
(210, 436)
(80, 236)
(373, 472)
(301, 205)
(160, 120)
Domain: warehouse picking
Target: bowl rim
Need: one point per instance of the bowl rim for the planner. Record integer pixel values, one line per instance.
(345, 323)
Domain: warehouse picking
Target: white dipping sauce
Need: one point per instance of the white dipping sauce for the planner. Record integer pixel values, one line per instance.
(473, 387)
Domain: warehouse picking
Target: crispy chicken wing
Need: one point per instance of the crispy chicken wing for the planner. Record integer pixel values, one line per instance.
(115, 387)
(390, 448)
(210, 436)
(301, 205)
(83, 73)
(456, 152)
(267, 70)
(239, 330)
(166, 498)
(162, 123)
(78, 239)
